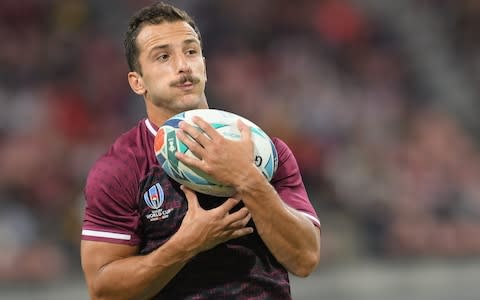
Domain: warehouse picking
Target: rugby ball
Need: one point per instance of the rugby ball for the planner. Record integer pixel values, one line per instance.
(166, 144)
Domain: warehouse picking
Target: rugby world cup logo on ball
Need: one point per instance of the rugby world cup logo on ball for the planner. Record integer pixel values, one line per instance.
(167, 143)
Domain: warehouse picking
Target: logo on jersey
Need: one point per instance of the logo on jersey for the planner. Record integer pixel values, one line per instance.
(154, 198)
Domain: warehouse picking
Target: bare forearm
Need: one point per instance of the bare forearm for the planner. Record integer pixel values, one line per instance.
(291, 237)
(139, 277)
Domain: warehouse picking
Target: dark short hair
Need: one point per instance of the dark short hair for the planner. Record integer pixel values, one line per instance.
(154, 14)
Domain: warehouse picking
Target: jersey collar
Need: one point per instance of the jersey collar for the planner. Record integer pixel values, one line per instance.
(151, 127)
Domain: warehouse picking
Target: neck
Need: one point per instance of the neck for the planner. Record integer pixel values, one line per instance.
(158, 115)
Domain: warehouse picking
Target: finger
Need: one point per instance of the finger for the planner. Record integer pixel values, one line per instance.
(240, 223)
(227, 205)
(245, 130)
(192, 144)
(194, 132)
(237, 216)
(211, 132)
(236, 196)
(191, 197)
(240, 232)
(189, 160)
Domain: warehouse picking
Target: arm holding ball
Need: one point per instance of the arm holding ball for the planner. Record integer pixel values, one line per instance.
(289, 235)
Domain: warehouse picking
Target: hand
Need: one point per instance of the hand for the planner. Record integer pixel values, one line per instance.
(227, 161)
(205, 229)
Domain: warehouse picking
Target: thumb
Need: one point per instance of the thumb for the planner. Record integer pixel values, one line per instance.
(191, 197)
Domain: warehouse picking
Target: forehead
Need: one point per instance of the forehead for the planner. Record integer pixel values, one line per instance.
(165, 33)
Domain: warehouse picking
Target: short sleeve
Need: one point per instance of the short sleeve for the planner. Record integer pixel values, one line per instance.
(111, 213)
(288, 183)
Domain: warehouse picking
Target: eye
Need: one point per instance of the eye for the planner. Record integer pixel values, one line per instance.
(163, 57)
(192, 51)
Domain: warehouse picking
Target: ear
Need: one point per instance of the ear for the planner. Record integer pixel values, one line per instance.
(136, 83)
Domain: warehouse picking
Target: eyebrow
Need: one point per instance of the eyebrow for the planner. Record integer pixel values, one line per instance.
(166, 46)
(191, 41)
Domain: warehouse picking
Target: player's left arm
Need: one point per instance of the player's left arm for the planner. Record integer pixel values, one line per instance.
(291, 237)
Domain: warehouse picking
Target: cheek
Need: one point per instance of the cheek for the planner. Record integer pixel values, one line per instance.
(202, 72)
(199, 67)
(157, 78)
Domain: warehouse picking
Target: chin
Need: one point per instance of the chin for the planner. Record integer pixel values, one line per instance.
(188, 104)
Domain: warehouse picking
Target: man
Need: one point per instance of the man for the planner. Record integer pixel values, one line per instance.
(201, 247)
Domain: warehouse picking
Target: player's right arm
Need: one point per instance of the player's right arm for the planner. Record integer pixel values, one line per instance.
(116, 271)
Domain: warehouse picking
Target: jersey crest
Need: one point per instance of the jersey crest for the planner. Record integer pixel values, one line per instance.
(154, 196)
(154, 199)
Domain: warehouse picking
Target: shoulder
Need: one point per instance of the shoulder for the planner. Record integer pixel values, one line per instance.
(118, 156)
(119, 165)
(284, 152)
(289, 184)
(288, 169)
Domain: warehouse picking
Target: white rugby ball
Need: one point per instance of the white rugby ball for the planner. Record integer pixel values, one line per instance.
(166, 144)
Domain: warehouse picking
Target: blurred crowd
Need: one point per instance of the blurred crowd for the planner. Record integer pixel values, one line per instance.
(389, 175)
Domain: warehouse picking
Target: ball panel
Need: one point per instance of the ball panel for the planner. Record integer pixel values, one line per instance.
(173, 122)
(193, 177)
(159, 140)
(225, 123)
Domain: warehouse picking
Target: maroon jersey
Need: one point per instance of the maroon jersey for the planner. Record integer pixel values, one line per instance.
(130, 200)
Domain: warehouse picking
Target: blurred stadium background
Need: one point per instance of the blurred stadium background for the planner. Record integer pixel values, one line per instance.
(378, 99)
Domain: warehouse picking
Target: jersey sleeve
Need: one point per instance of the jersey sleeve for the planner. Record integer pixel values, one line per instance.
(111, 213)
(288, 183)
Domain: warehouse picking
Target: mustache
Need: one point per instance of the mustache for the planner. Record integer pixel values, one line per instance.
(185, 78)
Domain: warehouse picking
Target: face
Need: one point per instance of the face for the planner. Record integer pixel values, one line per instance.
(173, 69)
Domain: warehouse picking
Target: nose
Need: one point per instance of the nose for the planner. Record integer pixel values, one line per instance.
(183, 65)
